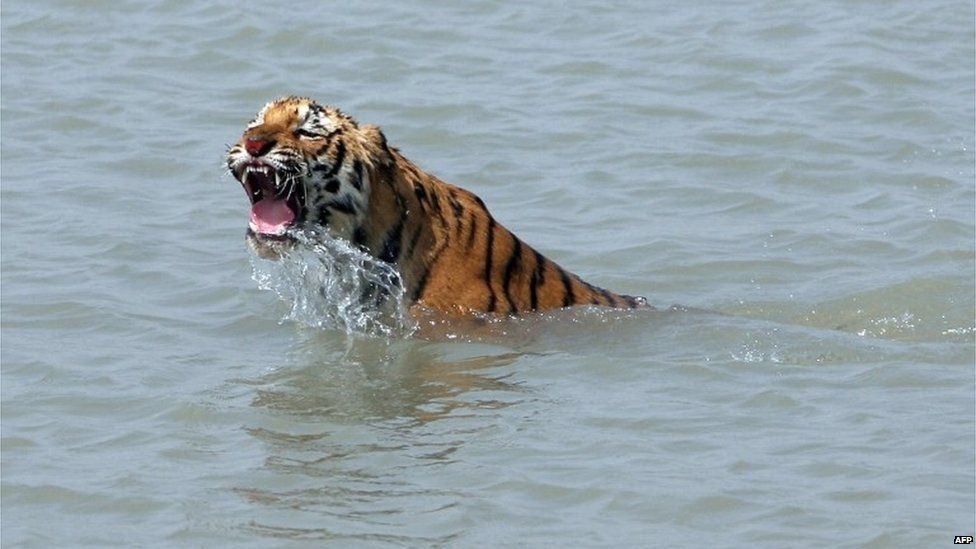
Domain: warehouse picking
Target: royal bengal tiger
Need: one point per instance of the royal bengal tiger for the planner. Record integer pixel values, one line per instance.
(304, 165)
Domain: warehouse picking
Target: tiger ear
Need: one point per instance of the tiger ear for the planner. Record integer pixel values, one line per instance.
(376, 144)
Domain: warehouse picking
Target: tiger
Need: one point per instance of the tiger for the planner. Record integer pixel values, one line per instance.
(304, 165)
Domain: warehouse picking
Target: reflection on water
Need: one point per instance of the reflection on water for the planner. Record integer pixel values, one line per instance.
(379, 379)
(355, 428)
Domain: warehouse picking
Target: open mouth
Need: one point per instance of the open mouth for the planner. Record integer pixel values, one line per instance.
(276, 200)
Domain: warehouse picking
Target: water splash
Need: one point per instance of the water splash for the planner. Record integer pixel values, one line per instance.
(333, 284)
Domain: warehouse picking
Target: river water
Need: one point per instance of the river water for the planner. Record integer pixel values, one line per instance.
(797, 176)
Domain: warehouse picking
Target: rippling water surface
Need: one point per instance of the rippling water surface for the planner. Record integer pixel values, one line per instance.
(797, 176)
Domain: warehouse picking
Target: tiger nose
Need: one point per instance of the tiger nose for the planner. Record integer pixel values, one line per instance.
(258, 147)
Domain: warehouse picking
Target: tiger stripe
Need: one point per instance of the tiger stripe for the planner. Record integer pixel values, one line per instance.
(489, 259)
(538, 274)
(569, 297)
(391, 244)
(513, 260)
(357, 170)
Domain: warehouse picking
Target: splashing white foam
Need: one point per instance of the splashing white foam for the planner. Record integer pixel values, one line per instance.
(333, 284)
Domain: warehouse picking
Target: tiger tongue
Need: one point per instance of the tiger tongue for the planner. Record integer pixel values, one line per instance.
(270, 216)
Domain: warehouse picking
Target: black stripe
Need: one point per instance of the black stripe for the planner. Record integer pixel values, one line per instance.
(430, 203)
(332, 185)
(435, 203)
(458, 208)
(396, 195)
(610, 300)
(458, 215)
(318, 152)
(599, 291)
(568, 297)
(324, 217)
(421, 284)
(359, 236)
(540, 266)
(340, 157)
(345, 206)
(391, 247)
(394, 239)
(513, 262)
(474, 230)
(357, 181)
(411, 247)
(305, 133)
(421, 192)
(537, 275)
(488, 259)
(334, 167)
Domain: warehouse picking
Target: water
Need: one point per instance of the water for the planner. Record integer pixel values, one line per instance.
(798, 176)
(332, 284)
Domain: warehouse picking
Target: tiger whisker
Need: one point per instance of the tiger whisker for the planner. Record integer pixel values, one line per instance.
(291, 183)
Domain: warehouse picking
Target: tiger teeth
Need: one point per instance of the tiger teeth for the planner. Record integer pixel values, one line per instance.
(262, 170)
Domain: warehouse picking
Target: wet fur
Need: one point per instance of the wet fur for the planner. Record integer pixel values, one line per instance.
(452, 255)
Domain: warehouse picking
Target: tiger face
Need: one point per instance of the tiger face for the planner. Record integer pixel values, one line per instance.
(301, 165)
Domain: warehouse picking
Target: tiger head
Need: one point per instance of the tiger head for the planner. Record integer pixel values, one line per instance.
(304, 166)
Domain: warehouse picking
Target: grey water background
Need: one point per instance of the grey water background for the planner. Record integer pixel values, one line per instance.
(803, 172)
